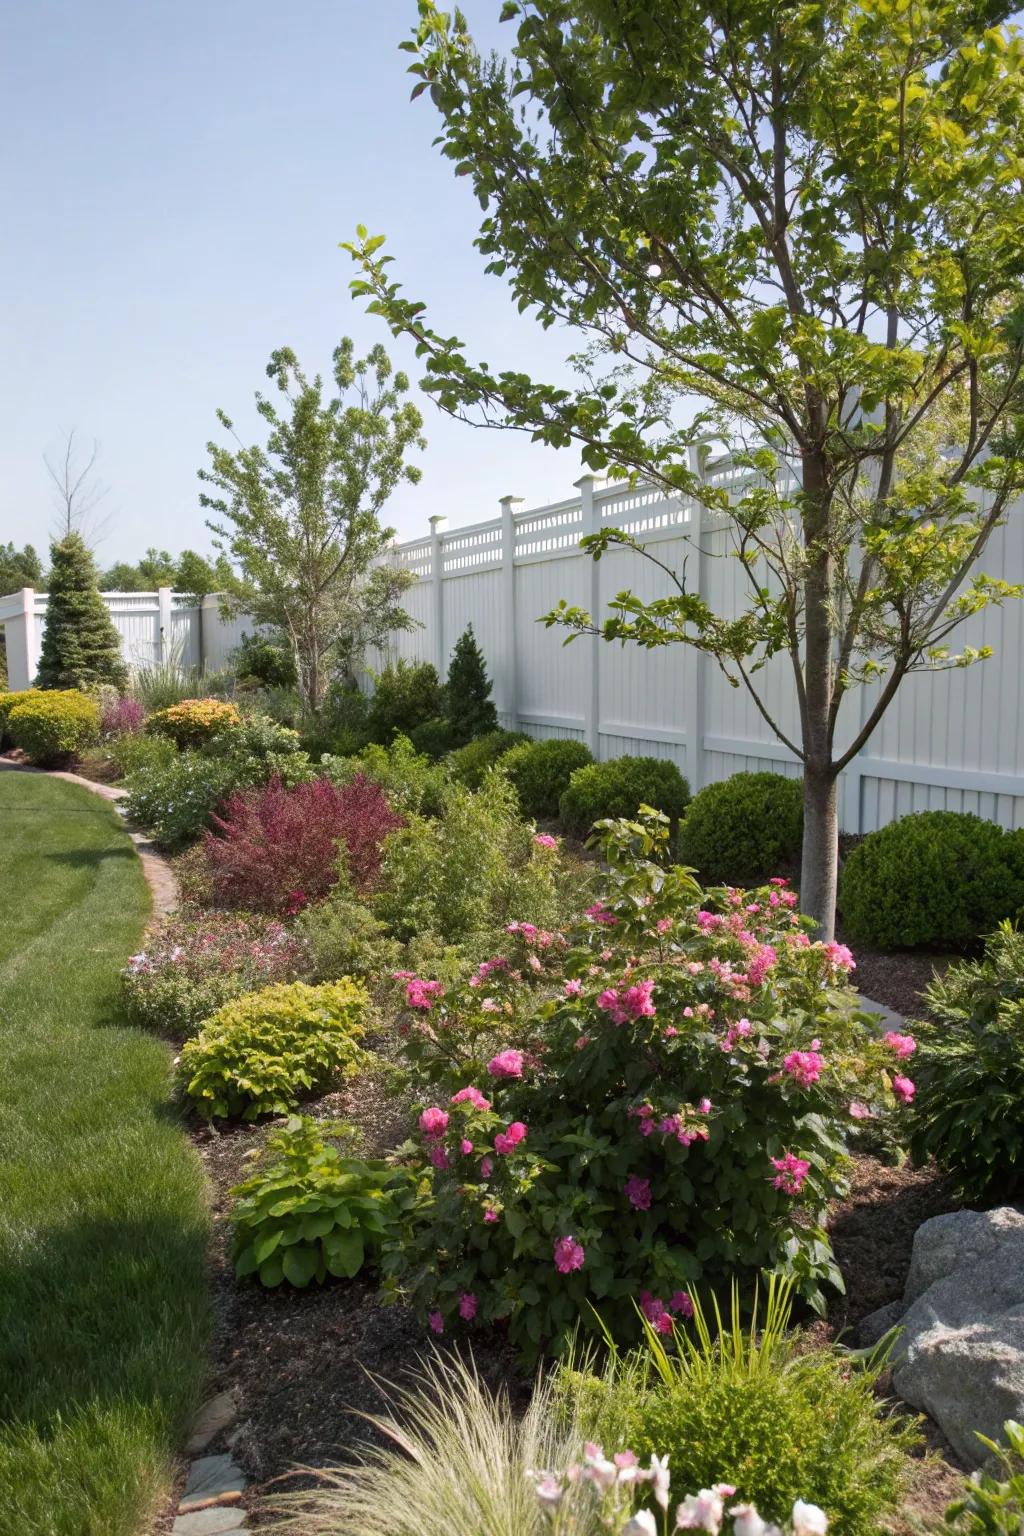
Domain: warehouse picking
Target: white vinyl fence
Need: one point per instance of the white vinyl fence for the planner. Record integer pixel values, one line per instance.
(154, 627)
(951, 741)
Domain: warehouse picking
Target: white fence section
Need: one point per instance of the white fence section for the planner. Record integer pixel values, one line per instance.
(951, 741)
(154, 627)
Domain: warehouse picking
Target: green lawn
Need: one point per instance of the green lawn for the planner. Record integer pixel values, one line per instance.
(103, 1309)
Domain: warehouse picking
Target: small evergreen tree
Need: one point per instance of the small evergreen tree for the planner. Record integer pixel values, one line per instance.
(468, 704)
(80, 646)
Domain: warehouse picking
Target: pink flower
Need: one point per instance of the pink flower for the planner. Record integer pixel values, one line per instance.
(490, 1215)
(804, 1067)
(434, 1122)
(486, 1168)
(599, 913)
(792, 1171)
(436, 1321)
(472, 1096)
(569, 1255)
(655, 1311)
(638, 1192)
(467, 1306)
(859, 1111)
(738, 1031)
(625, 1003)
(761, 963)
(439, 1158)
(422, 994)
(573, 988)
(545, 840)
(903, 1045)
(903, 1088)
(465, 1147)
(839, 957)
(507, 1141)
(506, 1064)
(680, 1302)
(664, 924)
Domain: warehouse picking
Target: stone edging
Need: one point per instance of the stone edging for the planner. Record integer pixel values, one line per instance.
(159, 875)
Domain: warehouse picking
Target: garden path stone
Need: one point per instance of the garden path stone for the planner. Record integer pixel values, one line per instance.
(217, 1413)
(960, 1356)
(890, 1018)
(208, 1522)
(212, 1476)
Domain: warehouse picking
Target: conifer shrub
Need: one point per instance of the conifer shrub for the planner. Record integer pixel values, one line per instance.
(81, 647)
(468, 705)
(619, 787)
(54, 724)
(743, 829)
(406, 694)
(540, 771)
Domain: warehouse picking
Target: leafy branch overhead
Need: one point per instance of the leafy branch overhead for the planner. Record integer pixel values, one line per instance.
(795, 229)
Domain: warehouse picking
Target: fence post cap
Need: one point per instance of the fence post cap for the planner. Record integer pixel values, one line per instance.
(510, 501)
(437, 522)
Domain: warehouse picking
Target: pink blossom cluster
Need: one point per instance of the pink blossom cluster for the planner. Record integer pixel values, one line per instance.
(487, 968)
(638, 1192)
(599, 913)
(679, 1125)
(659, 1315)
(628, 1002)
(434, 1122)
(903, 1088)
(790, 1173)
(507, 1140)
(760, 963)
(545, 840)
(540, 938)
(804, 1067)
(419, 993)
(506, 1064)
(734, 1034)
(902, 1045)
(471, 1095)
(839, 957)
(568, 1255)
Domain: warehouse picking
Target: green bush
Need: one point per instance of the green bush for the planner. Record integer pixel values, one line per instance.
(53, 725)
(937, 878)
(342, 937)
(261, 1053)
(470, 763)
(7, 703)
(176, 799)
(193, 722)
(265, 659)
(468, 705)
(434, 738)
(969, 1072)
(406, 694)
(412, 783)
(540, 771)
(743, 829)
(308, 1211)
(465, 874)
(258, 737)
(138, 753)
(755, 1407)
(620, 787)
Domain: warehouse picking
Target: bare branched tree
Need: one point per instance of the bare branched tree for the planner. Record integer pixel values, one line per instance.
(79, 490)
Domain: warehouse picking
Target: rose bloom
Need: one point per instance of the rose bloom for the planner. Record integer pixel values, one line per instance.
(568, 1255)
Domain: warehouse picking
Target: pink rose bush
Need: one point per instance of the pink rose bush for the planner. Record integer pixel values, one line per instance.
(669, 1088)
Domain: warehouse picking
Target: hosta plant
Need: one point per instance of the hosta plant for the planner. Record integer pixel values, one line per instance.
(657, 1100)
(262, 1053)
(190, 966)
(308, 1210)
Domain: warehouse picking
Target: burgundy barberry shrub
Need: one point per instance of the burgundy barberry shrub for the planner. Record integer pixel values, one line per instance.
(122, 717)
(276, 849)
(656, 1101)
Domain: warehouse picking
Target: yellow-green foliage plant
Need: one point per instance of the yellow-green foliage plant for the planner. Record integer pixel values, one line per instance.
(194, 722)
(7, 702)
(51, 725)
(261, 1053)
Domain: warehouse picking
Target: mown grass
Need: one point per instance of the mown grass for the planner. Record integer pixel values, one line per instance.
(103, 1310)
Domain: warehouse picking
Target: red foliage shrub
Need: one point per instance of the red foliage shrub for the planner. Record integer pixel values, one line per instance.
(275, 849)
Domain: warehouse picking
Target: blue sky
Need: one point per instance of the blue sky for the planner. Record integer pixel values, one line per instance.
(176, 179)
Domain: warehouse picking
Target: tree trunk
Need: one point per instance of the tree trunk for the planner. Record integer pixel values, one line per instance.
(819, 863)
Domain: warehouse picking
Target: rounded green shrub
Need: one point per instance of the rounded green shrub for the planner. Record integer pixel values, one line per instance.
(175, 800)
(937, 878)
(969, 1072)
(54, 724)
(261, 1053)
(539, 772)
(470, 763)
(405, 695)
(7, 703)
(741, 830)
(433, 737)
(620, 787)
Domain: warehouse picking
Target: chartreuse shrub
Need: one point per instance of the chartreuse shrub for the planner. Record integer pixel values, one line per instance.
(52, 725)
(937, 878)
(540, 771)
(655, 1101)
(743, 829)
(261, 1053)
(194, 721)
(309, 1211)
(412, 783)
(619, 787)
(993, 1505)
(190, 966)
(969, 1070)
(7, 703)
(752, 1406)
(470, 763)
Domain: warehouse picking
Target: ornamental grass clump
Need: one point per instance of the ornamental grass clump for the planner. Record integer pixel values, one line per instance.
(262, 1053)
(191, 966)
(655, 1100)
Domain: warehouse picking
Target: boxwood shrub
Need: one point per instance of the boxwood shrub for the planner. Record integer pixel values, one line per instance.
(50, 725)
(743, 829)
(470, 763)
(7, 703)
(539, 772)
(619, 787)
(938, 878)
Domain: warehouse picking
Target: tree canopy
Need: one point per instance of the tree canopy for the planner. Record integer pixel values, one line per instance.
(795, 229)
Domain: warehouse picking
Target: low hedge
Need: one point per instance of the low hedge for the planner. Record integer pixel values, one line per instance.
(539, 772)
(52, 725)
(469, 764)
(940, 879)
(619, 787)
(7, 703)
(743, 829)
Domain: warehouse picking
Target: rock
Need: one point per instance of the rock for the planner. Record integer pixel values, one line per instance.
(217, 1413)
(960, 1357)
(211, 1477)
(877, 1324)
(209, 1522)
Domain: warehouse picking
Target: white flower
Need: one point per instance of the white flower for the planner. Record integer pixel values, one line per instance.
(747, 1521)
(643, 1523)
(809, 1520)
(701, 1511)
